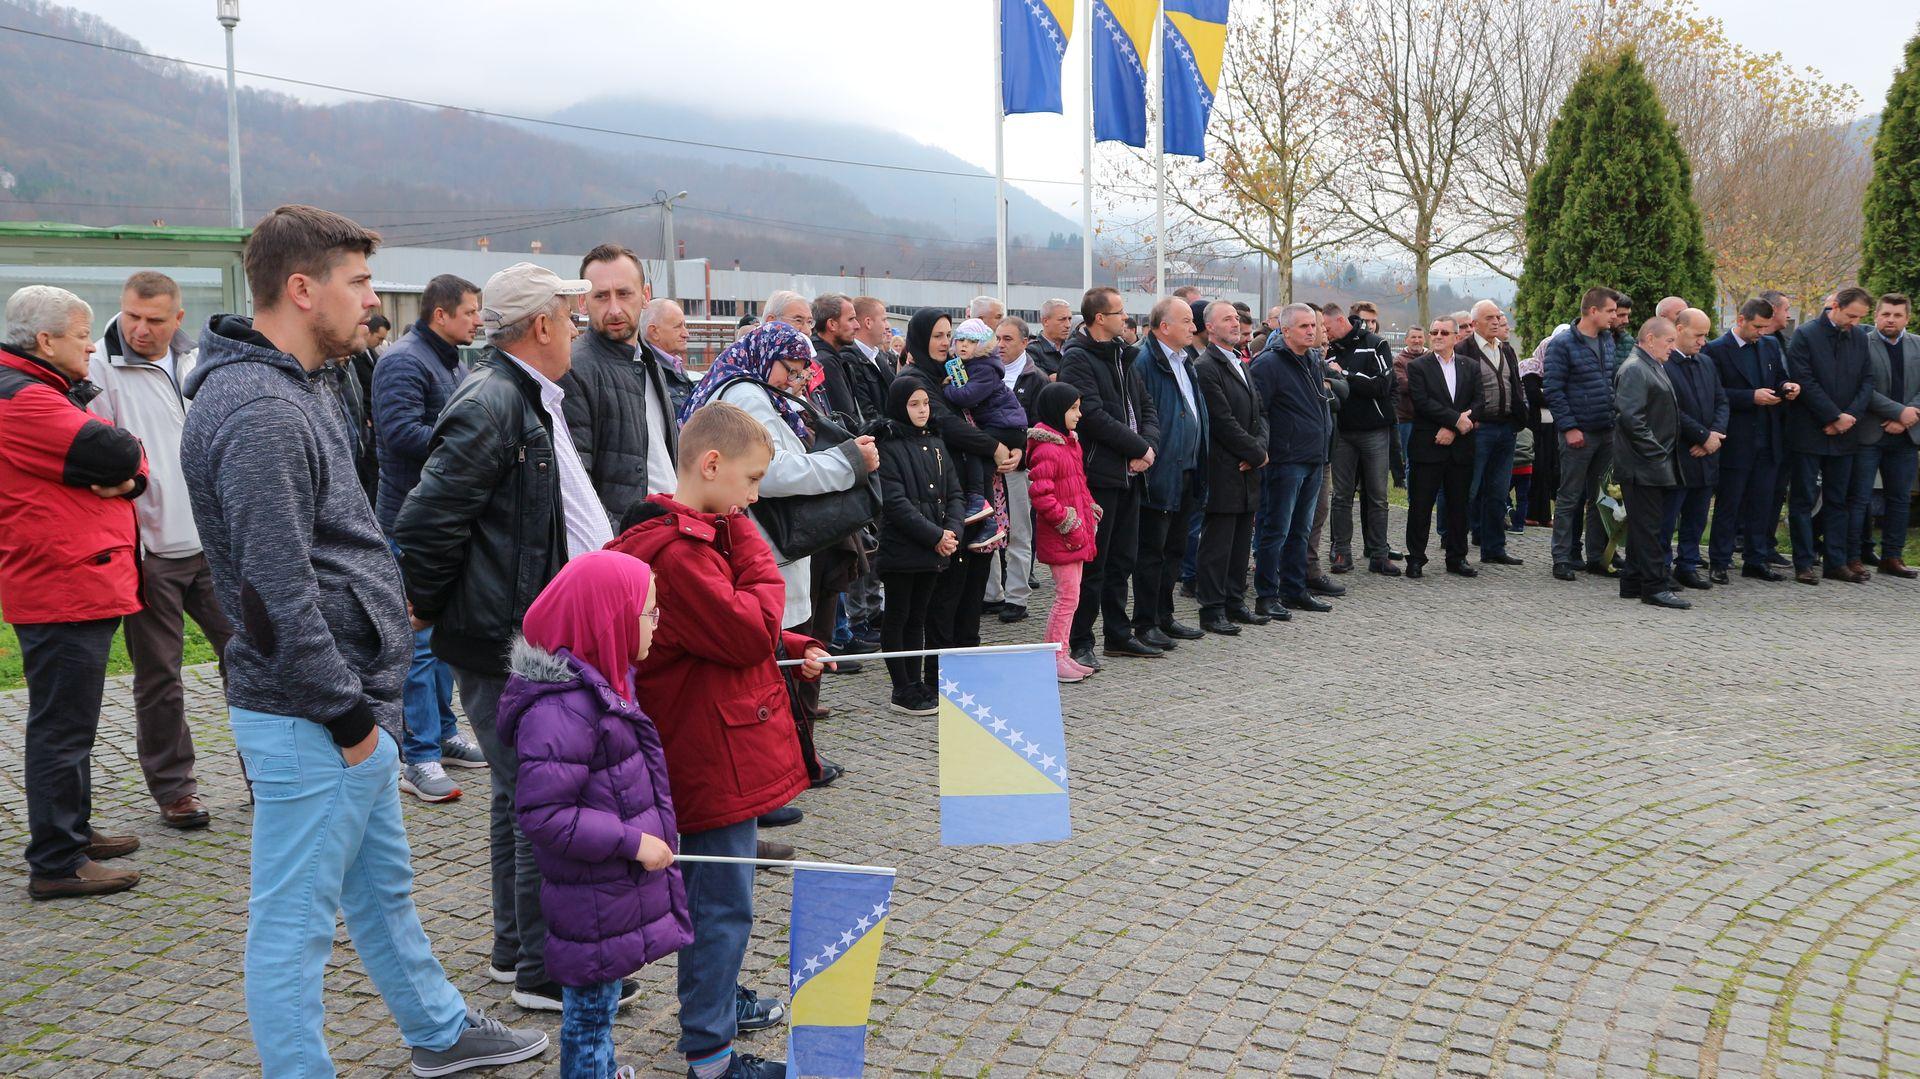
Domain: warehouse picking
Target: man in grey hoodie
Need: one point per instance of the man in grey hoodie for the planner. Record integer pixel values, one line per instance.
(315, 667)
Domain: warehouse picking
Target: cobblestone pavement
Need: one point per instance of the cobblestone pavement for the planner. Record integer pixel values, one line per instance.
(1505, 826)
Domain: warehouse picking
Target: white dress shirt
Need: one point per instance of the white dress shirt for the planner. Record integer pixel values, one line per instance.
(585, 517)
(1448, 371)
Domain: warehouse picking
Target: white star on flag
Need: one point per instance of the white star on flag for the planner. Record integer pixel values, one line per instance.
(949, 687)
(966, 701)
(830, 951)
(1046, 763)
(1031, 749)
(846, 938)
(981, 713)
(863, 923)
(999, 725)
(1016, 738)
(880, 911)
(797, 979)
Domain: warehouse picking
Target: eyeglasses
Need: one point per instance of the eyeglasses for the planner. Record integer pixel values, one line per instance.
(796, 370)
(1439, 333)
(653, 614)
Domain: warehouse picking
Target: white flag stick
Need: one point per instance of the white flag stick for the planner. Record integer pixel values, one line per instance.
(831, 867)
(985, 649)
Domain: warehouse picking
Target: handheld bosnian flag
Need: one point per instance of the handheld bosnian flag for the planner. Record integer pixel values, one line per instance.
(1003, 750)
(1122, 32)
(839, 922)
(1033, 40)
(1193, 42)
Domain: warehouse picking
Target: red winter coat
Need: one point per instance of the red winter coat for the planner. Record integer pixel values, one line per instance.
(66, 554)
(1057, 481)
(709, 681)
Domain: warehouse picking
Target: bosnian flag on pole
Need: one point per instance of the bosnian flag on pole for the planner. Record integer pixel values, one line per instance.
(1193, 45)
(833, 948)
(1003, 749)
(1033, 41)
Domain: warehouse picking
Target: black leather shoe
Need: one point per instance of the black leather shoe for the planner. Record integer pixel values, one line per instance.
(1777, 559)
(1761, 573)
(1342, 564)
(1305, 603)
(1397, 556)
(1416, 570)
(843, 665)
(1153, 636)
(1086, 658)
(780, 818)
(1186, 589)
(1273, 609)
(1242, 616)
(829, 772)
(1601, 569)
(1668, 600)
(1384, 567)
(1217, 623)
(1563, 571)
(1180, 631)
(1690, 578)
(1131, 648)
(1502, 559)
(1324, 586)
(1461, 569)
(1010, 614)
(1718, 576)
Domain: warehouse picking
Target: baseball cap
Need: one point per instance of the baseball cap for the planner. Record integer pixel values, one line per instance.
(523, 290)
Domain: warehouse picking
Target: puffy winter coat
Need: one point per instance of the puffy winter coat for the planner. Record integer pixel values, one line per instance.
(412, 384)
(1578, 383)
(592, 781)
(724, 718)
(920, 497)
(66, 554)
(1057, 484)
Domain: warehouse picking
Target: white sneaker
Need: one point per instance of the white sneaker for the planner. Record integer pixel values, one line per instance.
(428, 782)
(457, 752)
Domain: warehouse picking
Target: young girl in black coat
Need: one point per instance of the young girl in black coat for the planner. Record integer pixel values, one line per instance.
(923, 510)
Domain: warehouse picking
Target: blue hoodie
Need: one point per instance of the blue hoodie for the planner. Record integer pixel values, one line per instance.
(299, 564)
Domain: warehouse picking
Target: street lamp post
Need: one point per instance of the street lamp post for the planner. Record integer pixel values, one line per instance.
(666, 234)
(228, 12)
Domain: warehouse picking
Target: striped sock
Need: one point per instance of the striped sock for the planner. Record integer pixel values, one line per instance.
(713, 1066)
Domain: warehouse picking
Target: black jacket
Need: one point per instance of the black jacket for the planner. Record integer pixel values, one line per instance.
(1835, 376)
(1046, 354)
(1703, 410)
(1294, 403)
(606, 406)
(1236, 432)
(1433, 409)
(837, 383)
(869, 380)
(483, 531)
(1110, 392)
(920, 497)
(1367, 359)
(1745, 369)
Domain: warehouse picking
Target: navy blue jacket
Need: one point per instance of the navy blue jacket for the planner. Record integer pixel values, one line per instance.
(1703, 410)
(411, 386)
(1578, 384)
(1183, 431)
(1834, 374)
(1743, 369)
(1298, 423)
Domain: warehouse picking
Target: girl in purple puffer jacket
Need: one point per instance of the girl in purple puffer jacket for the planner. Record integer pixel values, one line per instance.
(592, 796)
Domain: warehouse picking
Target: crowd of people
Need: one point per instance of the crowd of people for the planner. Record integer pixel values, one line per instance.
(607, 558)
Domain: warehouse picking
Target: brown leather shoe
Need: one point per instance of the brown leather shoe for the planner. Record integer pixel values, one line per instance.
(1807, 576)
(185, 813)
(89, 878)
(101, 847)
(1859, 570)
(771, 851)
(1898, 568)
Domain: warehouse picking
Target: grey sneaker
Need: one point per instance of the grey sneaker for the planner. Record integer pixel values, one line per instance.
(457, 752)
(484, 1044)
(428, 782)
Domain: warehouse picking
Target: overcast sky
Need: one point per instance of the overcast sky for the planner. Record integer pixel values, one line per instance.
(919, 67)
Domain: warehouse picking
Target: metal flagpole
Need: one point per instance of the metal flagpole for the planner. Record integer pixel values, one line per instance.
(1086, 155)
(1158, 73)
(999, 148)
(978, 650)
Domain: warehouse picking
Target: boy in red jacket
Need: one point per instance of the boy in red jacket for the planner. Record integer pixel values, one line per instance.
(712, 685)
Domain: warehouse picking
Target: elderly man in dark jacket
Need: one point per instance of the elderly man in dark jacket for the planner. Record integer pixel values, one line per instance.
(1236, 451)
(1703, 429)
(1895, 356)
(1174, 481)
(1118, 432)
(1646, 435)
(1828, 358)
(1577, 381)
(619, 401)
(1288, 385)
(1498, 418)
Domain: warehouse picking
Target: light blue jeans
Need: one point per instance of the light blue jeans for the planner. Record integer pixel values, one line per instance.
(328, 840)
(586, 1030)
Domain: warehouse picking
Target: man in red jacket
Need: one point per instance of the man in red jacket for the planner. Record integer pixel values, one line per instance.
(725, 719)
(67, 575)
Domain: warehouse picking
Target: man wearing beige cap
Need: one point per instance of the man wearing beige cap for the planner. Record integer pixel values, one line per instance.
(503, 502)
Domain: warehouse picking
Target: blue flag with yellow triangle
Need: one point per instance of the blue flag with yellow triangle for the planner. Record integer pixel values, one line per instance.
(1122, 34)
(1003, 750)
(1033, 41)
(833, 952)
(1194, 43)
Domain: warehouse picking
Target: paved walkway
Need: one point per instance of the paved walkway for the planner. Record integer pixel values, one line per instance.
(1505, 826)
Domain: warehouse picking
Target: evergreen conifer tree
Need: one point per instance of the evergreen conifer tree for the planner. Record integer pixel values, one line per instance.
(1890, 242)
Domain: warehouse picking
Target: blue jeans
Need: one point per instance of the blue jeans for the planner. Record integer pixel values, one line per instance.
(1743, 511)
(1683, 524)
(427, 698)
(1487, 495)
(720, 901)
(1288, 496)
(1899, 459)
(586, 1030)
(1830, 476)
(328, 840)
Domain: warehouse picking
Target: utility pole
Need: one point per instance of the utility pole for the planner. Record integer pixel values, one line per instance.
(666, 234)
(228, 12)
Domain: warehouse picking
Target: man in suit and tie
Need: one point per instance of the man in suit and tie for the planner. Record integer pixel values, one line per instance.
(1828, 358)
(1236, 451)
(1445, 389)
(1646, 433)
(1703, 430)
(1889, 440)
(1753, 372)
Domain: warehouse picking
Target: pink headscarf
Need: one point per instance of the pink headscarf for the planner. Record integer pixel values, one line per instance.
(592, 609)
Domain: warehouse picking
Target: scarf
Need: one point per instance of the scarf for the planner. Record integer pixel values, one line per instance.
(751, 358)
(592, 609)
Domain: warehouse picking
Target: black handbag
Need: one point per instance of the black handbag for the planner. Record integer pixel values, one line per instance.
(801, 526)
